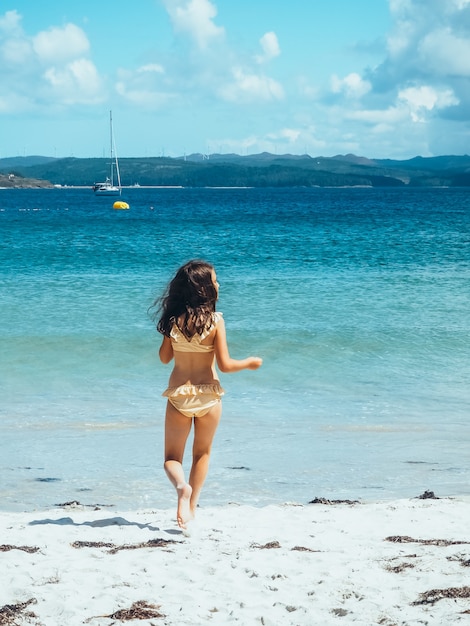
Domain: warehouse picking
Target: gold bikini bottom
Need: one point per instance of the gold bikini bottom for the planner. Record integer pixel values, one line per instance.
(194, 400)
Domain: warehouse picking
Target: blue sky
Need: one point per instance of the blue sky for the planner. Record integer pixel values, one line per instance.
(377, 78)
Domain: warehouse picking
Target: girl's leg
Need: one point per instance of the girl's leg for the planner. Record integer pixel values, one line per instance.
(177, 429)
(204, 431)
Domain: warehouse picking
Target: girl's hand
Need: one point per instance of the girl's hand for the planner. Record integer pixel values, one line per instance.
(254, 362)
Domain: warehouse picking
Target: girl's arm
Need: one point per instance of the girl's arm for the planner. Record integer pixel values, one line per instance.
(225, 363)
(166, 350)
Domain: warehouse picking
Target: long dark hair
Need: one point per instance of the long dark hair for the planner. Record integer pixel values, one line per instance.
(189, 300)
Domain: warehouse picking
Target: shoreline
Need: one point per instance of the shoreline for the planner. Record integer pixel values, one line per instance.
(403, 561)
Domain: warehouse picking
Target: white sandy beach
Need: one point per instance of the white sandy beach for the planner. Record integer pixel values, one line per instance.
(278, 565)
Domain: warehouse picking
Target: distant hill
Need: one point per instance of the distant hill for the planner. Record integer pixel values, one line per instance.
(257, 170)
(24, 161)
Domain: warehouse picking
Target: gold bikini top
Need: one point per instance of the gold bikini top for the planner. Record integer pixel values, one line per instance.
(181, 343)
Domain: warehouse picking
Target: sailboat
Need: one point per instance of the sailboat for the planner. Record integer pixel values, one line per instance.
(108, 188)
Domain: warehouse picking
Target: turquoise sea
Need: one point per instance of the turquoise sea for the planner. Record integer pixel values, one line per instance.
(358, 301)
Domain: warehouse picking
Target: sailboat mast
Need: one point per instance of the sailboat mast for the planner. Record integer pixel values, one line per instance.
(114, 159)
(111, 139)
(107, 187)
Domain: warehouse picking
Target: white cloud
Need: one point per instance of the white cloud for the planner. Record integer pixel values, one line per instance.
(400, 7)
(16, 52)
(461, 4)
(76, 82)
(195, 18)
(306, 89)
(15, 49)
(10, 23)
(352, 85)
(391, 116)
(429, 37)
(280, 141)
(270, 47)
(14, 103)
(248, 87)
(144, 87)
(422, 99)
(60, 44)
(446, 53)
(142, 96)
(51, 67)
(151, 68)
(412, 103)
(213, 67)
(289, 135)
(427, 66)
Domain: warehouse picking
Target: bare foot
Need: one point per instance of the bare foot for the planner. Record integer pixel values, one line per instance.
(183, 513)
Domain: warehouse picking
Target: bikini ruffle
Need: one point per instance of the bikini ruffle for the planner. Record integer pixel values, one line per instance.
(194, 390)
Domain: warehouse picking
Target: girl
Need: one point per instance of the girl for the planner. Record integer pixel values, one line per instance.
(194, 336)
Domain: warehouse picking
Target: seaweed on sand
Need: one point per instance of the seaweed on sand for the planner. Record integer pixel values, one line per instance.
(14, 614)
(6, 548)
(152, 543)
(434, 595)
(425, 542)
(138, 610)
(326, 501)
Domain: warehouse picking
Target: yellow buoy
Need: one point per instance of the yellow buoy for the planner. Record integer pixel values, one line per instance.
(120, 205)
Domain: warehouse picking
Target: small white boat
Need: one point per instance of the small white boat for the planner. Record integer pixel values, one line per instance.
(108, 188)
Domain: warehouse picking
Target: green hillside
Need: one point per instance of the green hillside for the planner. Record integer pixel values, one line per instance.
(231, 170)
